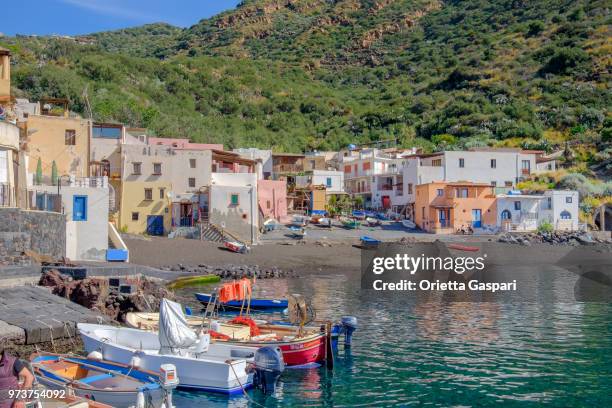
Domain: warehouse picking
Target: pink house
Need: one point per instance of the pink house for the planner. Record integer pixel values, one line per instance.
(272, 198)
(183, 144)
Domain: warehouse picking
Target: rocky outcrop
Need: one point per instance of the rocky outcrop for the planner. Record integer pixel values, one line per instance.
(231, 271)
(97, 294)
(573, 238)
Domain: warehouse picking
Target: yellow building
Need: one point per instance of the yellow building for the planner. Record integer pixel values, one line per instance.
(145, 207)
(5, 75)
(61, 139)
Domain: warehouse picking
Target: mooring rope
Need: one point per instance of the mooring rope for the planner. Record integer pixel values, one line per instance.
(242, 387)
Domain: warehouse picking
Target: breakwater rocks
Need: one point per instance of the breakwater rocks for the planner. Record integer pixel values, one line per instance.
(573, 238)
(113, 297)
(232, 271)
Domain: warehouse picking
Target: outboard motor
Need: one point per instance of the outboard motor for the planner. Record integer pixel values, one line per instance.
(268, 366)
(349, 325)
(335, 334)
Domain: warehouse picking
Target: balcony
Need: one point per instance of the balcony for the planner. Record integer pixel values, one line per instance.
(385, 187)
(288, 168)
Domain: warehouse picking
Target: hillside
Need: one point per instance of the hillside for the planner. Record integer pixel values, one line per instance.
(304, 74)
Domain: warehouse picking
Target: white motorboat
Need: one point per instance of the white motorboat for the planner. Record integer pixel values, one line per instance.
(215, 367)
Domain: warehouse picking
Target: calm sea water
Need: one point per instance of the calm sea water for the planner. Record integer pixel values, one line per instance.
(412, 352)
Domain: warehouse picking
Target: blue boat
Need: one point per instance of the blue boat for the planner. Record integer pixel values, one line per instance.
(359, 214)
(257, 304)
(369, 241)
(382, 217)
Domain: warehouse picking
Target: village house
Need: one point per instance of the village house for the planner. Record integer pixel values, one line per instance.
(499, 168)
(286, 166)
(371, 174)
(5, 78)
(57, 139)
(260, 155)
(167, 188)
(85, 204)
(526, 212)
(9, 152)
(272, 199)
(445, 208)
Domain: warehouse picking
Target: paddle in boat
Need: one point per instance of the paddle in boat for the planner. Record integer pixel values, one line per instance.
(119, 385)
(205, 366)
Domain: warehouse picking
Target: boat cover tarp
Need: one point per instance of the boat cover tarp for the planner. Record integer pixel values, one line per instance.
(174, 332)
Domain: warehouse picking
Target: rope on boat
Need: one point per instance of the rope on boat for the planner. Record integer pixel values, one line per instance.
(67, 331)
(242, 387)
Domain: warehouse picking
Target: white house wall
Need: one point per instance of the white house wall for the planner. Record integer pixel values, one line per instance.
(242, 219)
(85, 240)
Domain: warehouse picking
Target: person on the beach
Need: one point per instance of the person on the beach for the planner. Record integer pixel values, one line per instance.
(12, 370)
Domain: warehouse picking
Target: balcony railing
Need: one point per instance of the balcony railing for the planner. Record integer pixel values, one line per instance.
(385, 187)
(288, 168)
(95, 182)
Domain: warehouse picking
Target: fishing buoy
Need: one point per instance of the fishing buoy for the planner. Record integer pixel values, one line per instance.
(203, 343)
(135, 362)
(95, 355)
(215, 326)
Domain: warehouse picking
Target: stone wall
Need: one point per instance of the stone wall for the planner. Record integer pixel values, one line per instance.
(40, 231)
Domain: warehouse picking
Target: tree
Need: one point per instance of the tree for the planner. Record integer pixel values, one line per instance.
(53, 173)
(38, 175)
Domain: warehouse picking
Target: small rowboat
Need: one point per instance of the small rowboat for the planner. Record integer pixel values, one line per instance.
(297, 232)
(256, 303)
(236, 246)
(150, 322)
(118, 385)
(349, 223)
(369, 242)
(372, 222)
(463, 247)
(408, 224)
(325, 222)
(361, 215)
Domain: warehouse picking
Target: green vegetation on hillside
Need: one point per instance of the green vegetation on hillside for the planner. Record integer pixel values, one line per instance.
(304, 74)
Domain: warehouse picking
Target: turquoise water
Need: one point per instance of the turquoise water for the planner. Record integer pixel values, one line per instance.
(411, 352)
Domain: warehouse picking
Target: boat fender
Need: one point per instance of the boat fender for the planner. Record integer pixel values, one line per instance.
(349, 325)
(140, 400)
(268, 366)
(95, 356)
(237, 353)
(214, 325)
(203, 343)
(135, 361)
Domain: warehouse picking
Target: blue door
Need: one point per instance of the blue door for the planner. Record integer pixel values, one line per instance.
(476, 218)
(79, 208)
(155, 224)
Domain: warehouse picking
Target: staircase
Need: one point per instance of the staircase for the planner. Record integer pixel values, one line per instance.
(210, 232)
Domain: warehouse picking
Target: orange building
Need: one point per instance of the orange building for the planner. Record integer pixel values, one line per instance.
(444, 208)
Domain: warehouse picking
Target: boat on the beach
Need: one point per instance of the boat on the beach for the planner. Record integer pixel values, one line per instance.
(408, 224)
(297, 232)
(116, 384)
(205, 366)
(369, 242)
(467, 248)
(359, 214)
(255, 303)
(372, 222)
(236, 246)
(299, 220)
(349, 223)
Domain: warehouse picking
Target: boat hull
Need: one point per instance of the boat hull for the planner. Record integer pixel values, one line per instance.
(210, 374)
(258, 304)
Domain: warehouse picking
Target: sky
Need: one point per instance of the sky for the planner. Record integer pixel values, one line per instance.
(71, 17)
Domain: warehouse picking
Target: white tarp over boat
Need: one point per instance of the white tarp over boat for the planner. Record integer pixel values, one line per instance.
(174, 331)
